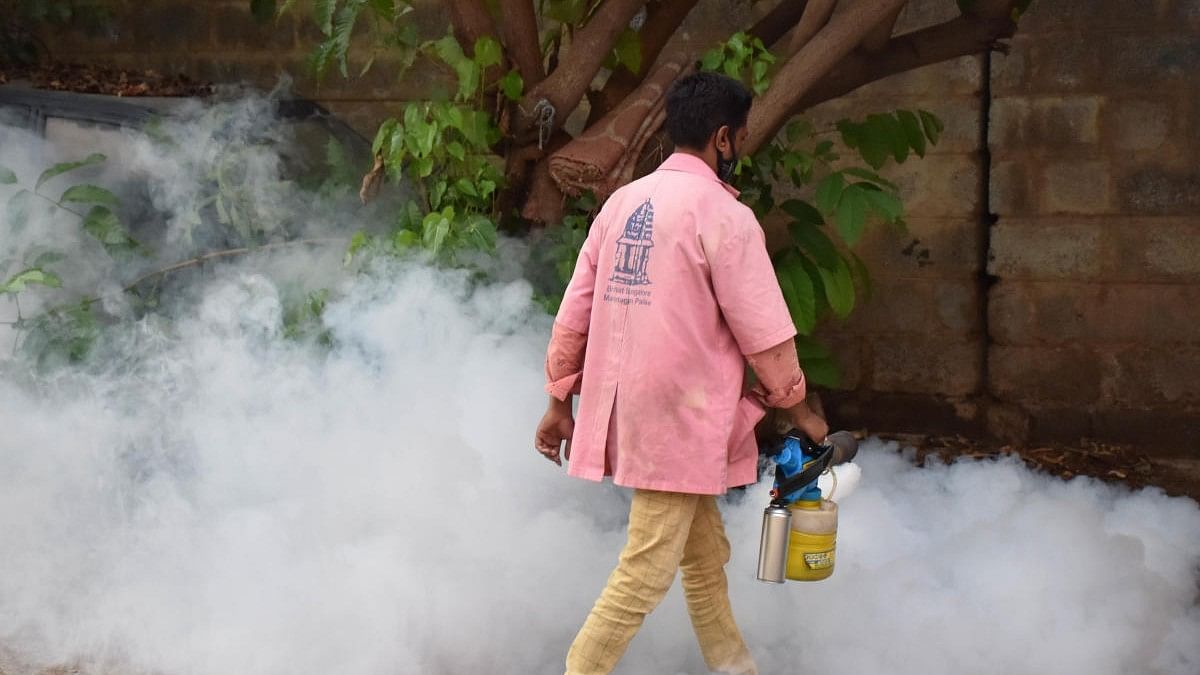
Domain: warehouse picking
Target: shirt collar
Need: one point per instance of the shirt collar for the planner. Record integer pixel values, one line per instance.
(682, 161)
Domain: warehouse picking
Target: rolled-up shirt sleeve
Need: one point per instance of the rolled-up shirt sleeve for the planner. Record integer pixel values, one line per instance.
(781, 383)
(564, 362)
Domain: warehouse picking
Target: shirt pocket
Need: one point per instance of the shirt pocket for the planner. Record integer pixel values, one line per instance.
(746, 416)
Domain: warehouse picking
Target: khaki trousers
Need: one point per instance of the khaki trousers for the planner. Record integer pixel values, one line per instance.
(668, 531)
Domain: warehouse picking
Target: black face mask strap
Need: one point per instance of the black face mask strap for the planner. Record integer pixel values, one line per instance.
(727, 166)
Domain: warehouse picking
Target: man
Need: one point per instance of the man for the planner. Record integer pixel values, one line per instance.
(672, 293)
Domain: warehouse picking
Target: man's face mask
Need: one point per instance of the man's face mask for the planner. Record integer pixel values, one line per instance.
(725, 166)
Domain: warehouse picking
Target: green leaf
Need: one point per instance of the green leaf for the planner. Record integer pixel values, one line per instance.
(64, 167)
(802, 211)
(343, 29)
(874, 142)
(798, 292)
(821, 372)
(456, 150)
(48, 258)
(383, 136)
(809, 348)
(386, 9)
(797, 129)
(829, 192)
(932, 125)
(323, 14)
(482, 233)
(423, 167)
(913, 133)
(90, 194)
(487, 53)
(512, 85)
(885, 204)
(436, 193)
(760, 72)
(712, 59)
(896, 137)
(851, 213)
(465, 187)
(30, 277)
(871, 176)
(839, 289)
(812, 241)
(570, 12)
(7, 177)
(862, 277)
(404, 239)
(17, 210)
(740, 47)
(467, 71)
(104, 225)
(262, 10)
(436, 228)
(628, 50)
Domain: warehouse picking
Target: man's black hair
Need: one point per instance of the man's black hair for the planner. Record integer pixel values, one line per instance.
(701, 103)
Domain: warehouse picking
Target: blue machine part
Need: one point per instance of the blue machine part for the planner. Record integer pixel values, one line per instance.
(791, 460)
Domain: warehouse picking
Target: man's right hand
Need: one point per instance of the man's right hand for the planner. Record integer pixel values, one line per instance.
(809, 422)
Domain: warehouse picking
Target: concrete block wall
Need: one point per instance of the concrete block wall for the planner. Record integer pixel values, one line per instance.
(1093, 316)
(914, 354)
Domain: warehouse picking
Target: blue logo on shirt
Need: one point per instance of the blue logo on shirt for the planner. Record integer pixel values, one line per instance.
(633, 248)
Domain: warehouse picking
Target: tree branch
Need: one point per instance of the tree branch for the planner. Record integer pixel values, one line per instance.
(662, 20)
(565, 87)
(816, 15)
(471, 21)
(521, 39)
(958, 37)
(777, 22)
(877, 39)
(843, 33)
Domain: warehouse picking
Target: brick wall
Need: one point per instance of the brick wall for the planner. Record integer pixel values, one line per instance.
(1048, 285)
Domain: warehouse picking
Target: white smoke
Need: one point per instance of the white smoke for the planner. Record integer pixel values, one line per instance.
(205, 496)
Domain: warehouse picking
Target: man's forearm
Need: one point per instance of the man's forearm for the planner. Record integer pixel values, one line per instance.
(781, 383)
(564, 362)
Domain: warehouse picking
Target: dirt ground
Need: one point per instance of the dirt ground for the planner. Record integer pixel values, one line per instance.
(89, 79)
(1109, 463)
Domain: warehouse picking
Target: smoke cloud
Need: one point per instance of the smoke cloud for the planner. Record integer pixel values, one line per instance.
(206, 496)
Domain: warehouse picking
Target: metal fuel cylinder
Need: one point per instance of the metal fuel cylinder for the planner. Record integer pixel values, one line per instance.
(773, 545)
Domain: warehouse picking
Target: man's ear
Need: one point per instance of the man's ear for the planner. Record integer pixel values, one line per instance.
(721, 140)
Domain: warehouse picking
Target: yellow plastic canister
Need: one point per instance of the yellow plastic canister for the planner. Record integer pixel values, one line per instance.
(812, 541)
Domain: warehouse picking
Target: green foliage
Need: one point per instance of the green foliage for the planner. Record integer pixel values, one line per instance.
(742, 57)
(63, 333)
(60, 335)
(30, 277)
(339, 19)
(445, 148)
(556, 251)
(628, 51)
(64, 167)
(303, 318)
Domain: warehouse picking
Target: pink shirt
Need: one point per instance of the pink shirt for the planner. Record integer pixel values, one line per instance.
(672, 289)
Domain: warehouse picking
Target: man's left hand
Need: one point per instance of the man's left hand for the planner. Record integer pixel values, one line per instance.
(557, 425)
